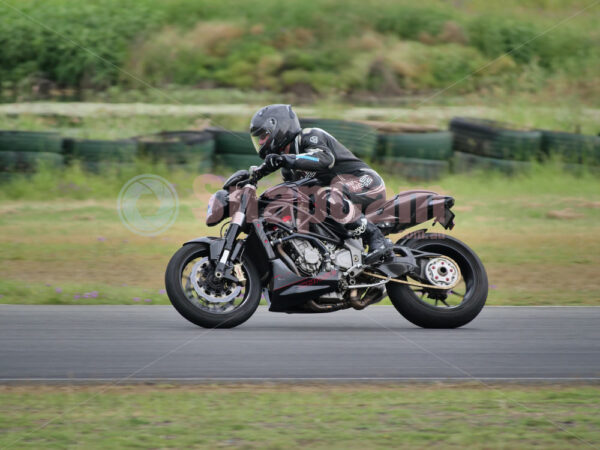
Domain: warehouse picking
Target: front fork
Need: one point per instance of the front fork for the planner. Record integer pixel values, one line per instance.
(231, 250)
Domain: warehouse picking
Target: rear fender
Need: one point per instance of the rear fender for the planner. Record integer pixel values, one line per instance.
(417, 235)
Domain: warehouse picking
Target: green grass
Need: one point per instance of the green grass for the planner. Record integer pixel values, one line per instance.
(288, 416)
(537, 234)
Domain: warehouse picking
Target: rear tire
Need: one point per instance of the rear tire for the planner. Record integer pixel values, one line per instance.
(197, 315)
(426, 315)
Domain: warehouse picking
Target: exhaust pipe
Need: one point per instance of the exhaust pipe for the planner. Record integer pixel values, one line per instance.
(373, 295)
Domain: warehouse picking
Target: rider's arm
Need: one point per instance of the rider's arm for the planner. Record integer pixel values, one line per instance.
(287, 174)
(312, 159)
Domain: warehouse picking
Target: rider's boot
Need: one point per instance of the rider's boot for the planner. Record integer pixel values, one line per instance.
(379, 246)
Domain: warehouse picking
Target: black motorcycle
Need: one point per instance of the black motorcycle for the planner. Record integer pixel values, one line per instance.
(277, 245)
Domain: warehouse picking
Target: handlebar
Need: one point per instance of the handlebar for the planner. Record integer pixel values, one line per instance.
(252, 176)
(258, 173)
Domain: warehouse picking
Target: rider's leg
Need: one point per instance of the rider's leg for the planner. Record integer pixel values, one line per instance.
(342, 210)
(362, 188)
(379, 246)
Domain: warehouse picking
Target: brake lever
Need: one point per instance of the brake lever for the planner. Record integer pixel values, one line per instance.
(256, 174)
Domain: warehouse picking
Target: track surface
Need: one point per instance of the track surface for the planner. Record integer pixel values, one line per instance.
(129, 343)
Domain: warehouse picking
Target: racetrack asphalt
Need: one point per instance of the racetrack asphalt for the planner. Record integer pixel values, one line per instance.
(151, 343)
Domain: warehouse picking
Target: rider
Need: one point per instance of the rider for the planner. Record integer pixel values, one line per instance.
(314, 153)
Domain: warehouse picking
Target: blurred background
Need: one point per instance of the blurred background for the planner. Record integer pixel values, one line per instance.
(494, 103)
(497, 104)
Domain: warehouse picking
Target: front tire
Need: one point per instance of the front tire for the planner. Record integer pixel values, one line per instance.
(197, 309)
(426, 315)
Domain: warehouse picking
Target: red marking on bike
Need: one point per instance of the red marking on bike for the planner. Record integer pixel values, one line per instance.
(286, 218)
(313, 281)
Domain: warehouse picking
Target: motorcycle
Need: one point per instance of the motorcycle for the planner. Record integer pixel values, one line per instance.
(279, 246)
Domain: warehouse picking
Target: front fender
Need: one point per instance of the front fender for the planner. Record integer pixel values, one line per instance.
(202, 240)
(214, 243)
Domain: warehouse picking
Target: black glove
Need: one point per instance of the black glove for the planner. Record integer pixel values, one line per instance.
(274, 162)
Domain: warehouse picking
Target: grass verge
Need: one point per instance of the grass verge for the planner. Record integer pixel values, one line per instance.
(287, 416)
(62, 242)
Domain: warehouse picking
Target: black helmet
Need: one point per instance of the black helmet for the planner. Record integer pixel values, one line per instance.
(272, 128)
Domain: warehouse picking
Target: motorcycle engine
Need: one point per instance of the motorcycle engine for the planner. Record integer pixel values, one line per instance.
(307, 258)
(340, 257)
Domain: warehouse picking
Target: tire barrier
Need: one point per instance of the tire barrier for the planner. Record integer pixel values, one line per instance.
(27, 162)
(8, 161)
(97, 155)
(234, 149)
(416, 155)
(191, 150)
(412, 151)
(233, 143)
(571, 148)
(492, 139)
(360, 138)
(237, 162)
(30, 141)
(28, 151)
(467, 162)
(434, 146)
(416, 169)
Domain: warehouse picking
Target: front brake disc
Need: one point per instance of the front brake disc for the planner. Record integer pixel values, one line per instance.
(197, 277)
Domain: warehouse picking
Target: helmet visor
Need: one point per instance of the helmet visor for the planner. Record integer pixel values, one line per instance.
(260, 140)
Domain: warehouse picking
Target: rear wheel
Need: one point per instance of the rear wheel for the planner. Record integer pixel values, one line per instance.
(437, 308)
(204, 300)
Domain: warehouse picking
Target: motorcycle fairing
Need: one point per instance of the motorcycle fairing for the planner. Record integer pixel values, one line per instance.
(218, 208)
(259, 226)
(288, 291)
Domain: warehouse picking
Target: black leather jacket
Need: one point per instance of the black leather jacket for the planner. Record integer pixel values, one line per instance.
(316, 153)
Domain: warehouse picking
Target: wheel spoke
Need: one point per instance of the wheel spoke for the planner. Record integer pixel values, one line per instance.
(444, 302)
(457, 293)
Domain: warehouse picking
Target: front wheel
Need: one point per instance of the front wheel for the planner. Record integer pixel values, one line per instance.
(205, 300)
(434, 308)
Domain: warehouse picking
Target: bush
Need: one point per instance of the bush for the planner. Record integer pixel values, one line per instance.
(78, 43)
(419, 66)
(526, 41)
(306, 44)
(412, 22)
